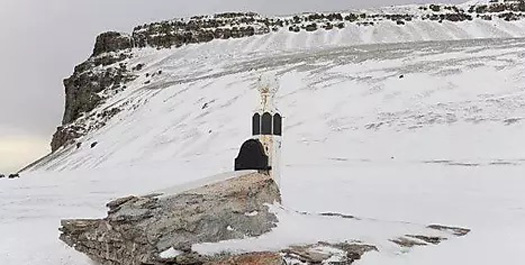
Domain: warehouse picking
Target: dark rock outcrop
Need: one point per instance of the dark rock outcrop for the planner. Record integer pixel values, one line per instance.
(138, 229)
(14, 176)
(112, 42)
(83, 86)
(65, 135)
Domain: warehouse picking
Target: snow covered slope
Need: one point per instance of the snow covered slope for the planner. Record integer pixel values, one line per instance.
(447, 99)
(418, 133)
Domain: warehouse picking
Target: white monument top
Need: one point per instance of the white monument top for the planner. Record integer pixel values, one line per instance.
(268, 86)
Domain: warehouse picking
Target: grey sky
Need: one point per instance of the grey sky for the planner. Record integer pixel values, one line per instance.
(41, 41)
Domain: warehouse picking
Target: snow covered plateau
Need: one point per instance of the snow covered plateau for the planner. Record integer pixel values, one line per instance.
(402, 126)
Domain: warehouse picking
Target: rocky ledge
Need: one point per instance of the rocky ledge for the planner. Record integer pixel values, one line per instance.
(138, 230)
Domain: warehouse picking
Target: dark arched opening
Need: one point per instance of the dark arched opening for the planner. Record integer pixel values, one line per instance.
(277, 124)
(256, 124)
(266, 124)
(251, 156)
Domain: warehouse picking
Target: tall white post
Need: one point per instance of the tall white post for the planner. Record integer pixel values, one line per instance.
(268, 87)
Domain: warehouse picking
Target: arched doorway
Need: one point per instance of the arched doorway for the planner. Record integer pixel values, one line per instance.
(251, 156)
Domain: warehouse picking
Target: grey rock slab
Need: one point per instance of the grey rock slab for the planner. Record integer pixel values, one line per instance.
(139, 228)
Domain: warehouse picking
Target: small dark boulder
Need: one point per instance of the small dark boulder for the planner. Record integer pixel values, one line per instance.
(401, 76)
(93, 144)
(14, 176)
(138, 67)
(2, 176)
(311, 27)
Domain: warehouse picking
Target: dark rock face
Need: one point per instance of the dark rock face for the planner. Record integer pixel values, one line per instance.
(112, 42)
(138, 229)
(65, 135)
(82, 87)
(97, 74)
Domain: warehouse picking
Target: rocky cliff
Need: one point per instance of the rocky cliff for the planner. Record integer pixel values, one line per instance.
(107, 72)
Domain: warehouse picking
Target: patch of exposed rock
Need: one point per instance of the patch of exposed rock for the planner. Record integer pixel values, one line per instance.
(138, 229)
(112, 42)
(326, 253)
(457, 231)
(65, 135)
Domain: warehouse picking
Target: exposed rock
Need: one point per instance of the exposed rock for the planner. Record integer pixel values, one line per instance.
(138, 229)
(421, 240)
(320, 253)
(511, 121)
(330, 214)
(111, 42)
(457, 231)
(14, 176)
(99, 73)
(408, 242)
(138, 67)
(2, 176)
(262, 258)
(355, 251)
(428, 239)
(82, 88)
(435, 8)
(65, 135)
(190, 258)
(308, 254)
(311, 27)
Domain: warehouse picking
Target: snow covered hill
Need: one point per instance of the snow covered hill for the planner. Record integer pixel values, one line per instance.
(344, 103)
(418, 123)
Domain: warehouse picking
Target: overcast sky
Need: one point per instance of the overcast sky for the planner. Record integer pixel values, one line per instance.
(42, 40)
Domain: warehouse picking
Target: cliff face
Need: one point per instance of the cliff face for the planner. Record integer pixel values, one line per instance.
(98, 73)
(105, 72)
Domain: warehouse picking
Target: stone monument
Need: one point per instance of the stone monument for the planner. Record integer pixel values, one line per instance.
(262, 152)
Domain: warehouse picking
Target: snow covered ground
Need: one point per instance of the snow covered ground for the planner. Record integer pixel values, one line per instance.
(418, 133)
